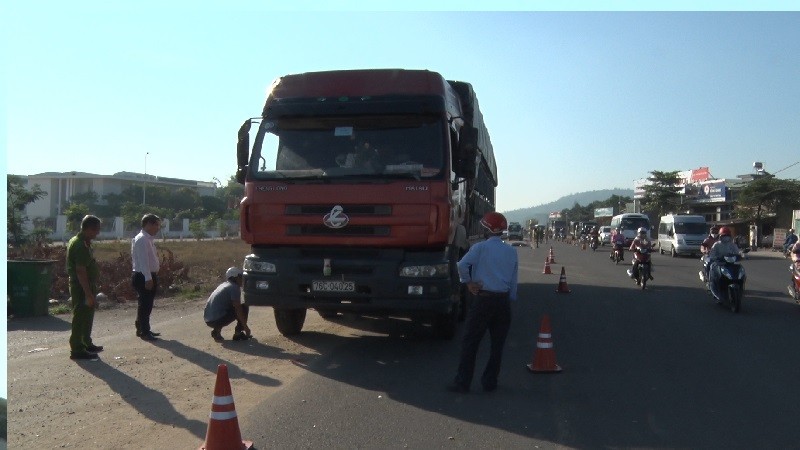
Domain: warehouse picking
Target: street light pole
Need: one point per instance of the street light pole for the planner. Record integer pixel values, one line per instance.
(144, 189)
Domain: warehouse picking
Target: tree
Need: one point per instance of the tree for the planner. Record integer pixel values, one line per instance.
(75, 212)
(17, 198)
(222, 227)
(232, 193)
(88, 198)
(767, 195)
(662, 194)
(198, 229)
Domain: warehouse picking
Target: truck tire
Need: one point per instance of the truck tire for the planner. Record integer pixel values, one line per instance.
(290, 321)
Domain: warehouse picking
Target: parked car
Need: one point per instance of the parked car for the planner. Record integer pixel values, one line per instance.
(605, 235)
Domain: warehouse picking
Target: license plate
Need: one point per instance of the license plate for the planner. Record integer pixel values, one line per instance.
(333, 286)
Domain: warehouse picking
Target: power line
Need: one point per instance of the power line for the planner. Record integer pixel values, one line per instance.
(790, 165)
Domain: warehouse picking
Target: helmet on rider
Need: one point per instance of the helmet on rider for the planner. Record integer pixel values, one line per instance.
(724, 231)
(642, 231)
(494, 222)
(714, 231)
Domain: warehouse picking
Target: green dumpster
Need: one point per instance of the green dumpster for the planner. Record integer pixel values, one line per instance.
(29, 286)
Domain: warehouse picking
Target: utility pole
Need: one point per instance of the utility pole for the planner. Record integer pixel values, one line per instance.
(144, 188)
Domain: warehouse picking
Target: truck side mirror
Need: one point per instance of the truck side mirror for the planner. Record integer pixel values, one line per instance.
(243, 151)
(467, 152)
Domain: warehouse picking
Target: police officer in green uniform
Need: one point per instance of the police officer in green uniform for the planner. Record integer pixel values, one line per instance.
(83, 276)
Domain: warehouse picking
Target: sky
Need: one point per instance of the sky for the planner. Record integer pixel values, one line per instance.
(573, 100)
(576, 95)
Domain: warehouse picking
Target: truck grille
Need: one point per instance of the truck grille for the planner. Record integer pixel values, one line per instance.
(350, 210)
(350, 230)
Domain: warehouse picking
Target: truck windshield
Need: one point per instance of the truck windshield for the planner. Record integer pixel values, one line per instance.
(341, 147)
(691, 228)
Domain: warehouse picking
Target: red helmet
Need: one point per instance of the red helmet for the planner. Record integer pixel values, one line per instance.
(725, 231)
(494, 222)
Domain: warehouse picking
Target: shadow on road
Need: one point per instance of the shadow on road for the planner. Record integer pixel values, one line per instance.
(210, 362)
(144, 399)
(42, 323)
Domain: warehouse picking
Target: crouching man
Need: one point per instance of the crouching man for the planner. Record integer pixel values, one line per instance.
(224, 305)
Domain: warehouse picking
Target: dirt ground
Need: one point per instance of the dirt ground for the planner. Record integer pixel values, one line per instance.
(139, 394)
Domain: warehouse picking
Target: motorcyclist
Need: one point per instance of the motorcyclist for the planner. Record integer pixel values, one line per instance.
(725, 246)
(618, 243)
(796, 255)
(594, 235)
(640, 242)
(705, 247)
(791, 239)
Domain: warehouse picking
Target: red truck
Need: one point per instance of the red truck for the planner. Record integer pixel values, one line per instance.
(363, 188)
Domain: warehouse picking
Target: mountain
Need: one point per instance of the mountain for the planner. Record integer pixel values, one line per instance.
(582, 198)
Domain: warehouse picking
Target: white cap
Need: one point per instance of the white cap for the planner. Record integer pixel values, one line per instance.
(233, 272)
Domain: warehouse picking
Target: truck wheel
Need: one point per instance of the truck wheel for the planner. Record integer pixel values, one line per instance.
(672, 252)
(290, 321)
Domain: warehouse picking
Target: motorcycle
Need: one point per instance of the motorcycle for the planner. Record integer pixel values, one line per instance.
(642, 273)
(794, 285)
(593, 243)
(617, 255)
(730, 284)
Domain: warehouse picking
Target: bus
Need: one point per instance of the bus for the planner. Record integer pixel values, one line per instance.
(629, 223)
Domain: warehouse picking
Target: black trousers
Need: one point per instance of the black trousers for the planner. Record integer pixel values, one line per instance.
(228, 319)
(486, 313)
(146, 299)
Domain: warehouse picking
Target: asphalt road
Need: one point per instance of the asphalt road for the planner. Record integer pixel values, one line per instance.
(660, 368)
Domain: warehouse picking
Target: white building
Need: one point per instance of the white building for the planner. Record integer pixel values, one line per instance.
(61, 186)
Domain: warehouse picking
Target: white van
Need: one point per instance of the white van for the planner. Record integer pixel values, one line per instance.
(630, 223)
(681, 234)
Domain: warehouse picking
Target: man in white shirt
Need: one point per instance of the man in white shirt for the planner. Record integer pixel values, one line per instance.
(145, 271)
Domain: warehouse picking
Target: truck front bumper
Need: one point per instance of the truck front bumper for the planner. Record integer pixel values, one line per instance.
(371, 277)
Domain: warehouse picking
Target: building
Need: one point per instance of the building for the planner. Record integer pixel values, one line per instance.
(61, 186)
(715, 198)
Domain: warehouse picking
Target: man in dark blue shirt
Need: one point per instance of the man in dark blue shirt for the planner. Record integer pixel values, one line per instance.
(489, 269)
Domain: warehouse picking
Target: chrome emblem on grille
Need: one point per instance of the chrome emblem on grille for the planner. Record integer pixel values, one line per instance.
(336, 218)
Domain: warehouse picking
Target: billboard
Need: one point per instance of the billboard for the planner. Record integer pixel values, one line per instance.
(555, 215)
(712, 191)
(604, 212)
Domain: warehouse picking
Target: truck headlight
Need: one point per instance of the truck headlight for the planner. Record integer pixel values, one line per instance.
(251, 265)
(433, 270)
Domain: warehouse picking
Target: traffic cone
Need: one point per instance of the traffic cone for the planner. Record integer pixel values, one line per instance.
(551, 258)
(544, 358)
(546, 270)
(223, 426)
(562, 283)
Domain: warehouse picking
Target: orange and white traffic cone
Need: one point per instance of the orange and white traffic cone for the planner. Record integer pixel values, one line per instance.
(547, 270)
(223, 426)
(551, 258)
(544, 358)
(562, 283)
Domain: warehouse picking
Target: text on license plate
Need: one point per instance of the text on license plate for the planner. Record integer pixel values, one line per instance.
(333, 286)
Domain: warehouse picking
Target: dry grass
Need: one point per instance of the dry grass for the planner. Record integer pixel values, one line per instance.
(205, 260)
